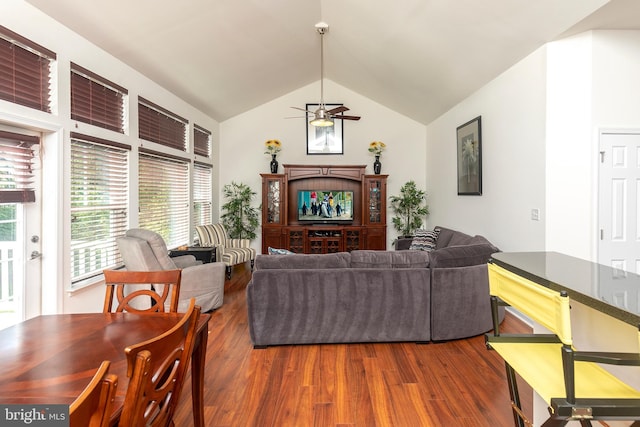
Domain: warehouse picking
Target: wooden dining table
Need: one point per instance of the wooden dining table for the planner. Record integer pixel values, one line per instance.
(50, 359)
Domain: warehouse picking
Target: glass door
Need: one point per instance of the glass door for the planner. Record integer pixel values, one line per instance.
(20, 225)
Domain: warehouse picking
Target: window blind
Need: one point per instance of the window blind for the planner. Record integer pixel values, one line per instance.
(163, 192)
(161, 126)
(96, 100)
(202, 194)
(99, 204)
(17, 158)
(201, 141)
(25, 71)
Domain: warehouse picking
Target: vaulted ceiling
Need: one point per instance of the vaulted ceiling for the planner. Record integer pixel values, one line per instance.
(418, 57)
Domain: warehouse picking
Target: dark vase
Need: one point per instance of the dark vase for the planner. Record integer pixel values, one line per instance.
(377, 166)
(274, 164)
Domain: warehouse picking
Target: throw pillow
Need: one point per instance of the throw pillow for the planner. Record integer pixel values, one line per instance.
(424, 240)
(274, 251)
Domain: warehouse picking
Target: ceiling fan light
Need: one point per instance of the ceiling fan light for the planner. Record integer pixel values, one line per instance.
(321, 122)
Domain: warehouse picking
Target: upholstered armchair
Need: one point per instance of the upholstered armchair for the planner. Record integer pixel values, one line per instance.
(145, 250)
(230, 251)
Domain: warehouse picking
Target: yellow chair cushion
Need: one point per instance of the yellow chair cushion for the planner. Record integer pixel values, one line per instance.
(540, 365)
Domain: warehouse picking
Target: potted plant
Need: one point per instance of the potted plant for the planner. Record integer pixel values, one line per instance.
(410, 208)
(240, 219)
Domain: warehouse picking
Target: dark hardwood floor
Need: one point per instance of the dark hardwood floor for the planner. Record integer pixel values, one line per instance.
(456, 383)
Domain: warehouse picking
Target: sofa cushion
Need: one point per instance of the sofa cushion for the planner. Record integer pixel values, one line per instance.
(276, 251)
(304, 261)
(476, 240)
(389, 259)
(449, 237)
(424, 240)
(462, 255)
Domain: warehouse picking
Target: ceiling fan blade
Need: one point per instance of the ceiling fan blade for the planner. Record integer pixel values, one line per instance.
(340, 116)
(302, 109)
(337, 110)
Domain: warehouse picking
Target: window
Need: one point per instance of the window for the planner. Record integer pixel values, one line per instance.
(97, 101)
(25, 71)
(163, 188)
(201, 141)
(202, 194)
(161, 126)
(99, 200)
(17, 158)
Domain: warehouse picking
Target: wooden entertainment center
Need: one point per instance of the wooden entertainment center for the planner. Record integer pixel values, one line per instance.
(281, 224)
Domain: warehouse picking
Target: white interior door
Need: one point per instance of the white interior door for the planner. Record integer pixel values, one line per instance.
(619, 198)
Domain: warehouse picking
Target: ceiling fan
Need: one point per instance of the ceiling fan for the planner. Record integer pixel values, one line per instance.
(323, 117)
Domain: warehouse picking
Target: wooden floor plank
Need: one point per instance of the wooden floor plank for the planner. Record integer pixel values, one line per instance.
(455, 383)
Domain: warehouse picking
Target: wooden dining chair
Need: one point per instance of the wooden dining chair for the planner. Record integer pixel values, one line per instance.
(156, 369)
(92, 408)
(129, 286)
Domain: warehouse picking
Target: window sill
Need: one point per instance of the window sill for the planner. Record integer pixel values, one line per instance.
(85, 284)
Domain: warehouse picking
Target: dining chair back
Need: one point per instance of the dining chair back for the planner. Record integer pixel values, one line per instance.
(162, 287)
(92, 408)
(156, 369)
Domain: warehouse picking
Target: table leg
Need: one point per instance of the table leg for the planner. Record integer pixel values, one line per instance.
(197, 375)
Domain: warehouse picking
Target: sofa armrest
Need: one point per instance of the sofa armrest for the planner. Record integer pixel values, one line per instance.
(462, 255)
(460, 302)
(205, 282)
(184, 261)
(207, 274)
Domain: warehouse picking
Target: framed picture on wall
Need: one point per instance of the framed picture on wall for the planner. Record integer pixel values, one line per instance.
(469, 147)
(324, 140)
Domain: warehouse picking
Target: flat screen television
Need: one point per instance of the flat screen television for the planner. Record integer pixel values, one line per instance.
(325, 206)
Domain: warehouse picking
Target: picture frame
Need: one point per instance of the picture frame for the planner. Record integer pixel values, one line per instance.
(469, 153)
(324, 140)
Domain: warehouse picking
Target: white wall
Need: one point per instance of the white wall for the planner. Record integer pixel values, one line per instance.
(513, 160)
(242, 141)
(616, 90)
(22, 18)
(593, 85)
(569, 147)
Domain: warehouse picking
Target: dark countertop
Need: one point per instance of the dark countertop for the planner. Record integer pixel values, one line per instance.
(608, 290)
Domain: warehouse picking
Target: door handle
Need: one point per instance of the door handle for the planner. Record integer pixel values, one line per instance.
(35, 254)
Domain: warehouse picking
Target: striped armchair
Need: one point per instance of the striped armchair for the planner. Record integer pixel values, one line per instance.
(229, 251)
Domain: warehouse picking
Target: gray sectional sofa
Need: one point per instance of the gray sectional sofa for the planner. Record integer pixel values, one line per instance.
(372, 296)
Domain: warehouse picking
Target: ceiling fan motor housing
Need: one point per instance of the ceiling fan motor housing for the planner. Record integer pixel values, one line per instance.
(322, 27)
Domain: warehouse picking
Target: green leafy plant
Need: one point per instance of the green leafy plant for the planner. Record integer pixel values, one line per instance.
(410, 208)
(240, 219)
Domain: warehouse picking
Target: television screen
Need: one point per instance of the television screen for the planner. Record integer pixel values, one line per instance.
(325, 206)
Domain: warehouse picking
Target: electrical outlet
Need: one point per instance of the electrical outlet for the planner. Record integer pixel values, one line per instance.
(535, 214)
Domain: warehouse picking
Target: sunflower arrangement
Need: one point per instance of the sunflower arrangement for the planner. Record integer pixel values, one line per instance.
(377, 147)
(273, 146)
